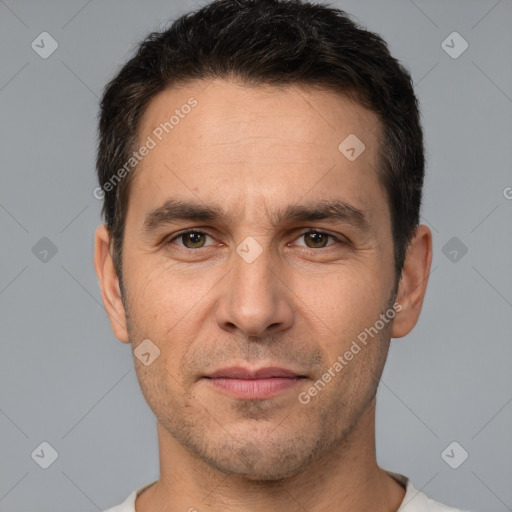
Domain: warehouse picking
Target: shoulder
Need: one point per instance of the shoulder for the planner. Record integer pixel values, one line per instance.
(128, 505)
(416, 501)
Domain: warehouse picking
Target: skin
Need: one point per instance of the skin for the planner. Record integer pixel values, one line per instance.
(253, 151)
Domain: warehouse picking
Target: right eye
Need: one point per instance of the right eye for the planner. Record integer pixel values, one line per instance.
(190, 239)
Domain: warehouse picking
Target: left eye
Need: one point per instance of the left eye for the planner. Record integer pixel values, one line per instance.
(316, 239)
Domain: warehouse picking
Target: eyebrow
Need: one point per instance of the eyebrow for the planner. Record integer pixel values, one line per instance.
(175, 210)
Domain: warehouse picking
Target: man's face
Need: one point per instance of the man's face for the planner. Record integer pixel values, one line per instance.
(266, 280)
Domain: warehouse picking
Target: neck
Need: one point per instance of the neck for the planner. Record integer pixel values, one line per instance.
(345, 479)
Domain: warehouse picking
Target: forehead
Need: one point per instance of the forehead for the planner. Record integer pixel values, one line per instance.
(252, 147)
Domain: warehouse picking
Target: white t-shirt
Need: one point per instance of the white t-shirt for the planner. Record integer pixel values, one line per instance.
(414, 500)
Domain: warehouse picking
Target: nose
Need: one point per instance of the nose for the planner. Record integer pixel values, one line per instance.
(254, 300)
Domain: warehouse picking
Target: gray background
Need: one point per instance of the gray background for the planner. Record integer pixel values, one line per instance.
(66, 380)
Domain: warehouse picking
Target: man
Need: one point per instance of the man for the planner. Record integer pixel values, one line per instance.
(261, 164)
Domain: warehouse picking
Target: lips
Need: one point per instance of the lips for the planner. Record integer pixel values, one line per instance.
(237, 372)
(259, 384)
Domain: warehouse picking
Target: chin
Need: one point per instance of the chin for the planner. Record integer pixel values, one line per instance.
(259, 471)
(264, 460)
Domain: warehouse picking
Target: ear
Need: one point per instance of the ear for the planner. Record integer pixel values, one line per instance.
(109, 284)
(413, 281)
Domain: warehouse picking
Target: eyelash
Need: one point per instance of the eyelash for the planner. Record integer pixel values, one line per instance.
(195, 231)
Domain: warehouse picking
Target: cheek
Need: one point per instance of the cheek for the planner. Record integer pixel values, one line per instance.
(173, 311)
(161, 389)
(160, 295)
(339, 306)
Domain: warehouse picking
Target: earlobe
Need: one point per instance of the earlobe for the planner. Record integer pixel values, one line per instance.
(413, 281)
(109, 284)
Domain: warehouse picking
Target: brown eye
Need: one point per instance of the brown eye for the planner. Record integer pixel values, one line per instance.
(316, 240)
(191, 240)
